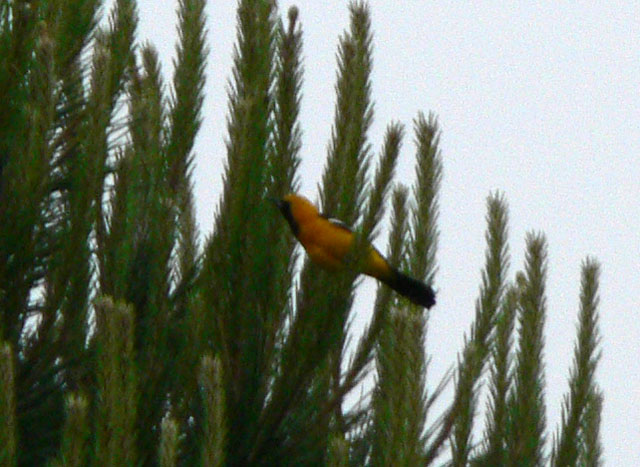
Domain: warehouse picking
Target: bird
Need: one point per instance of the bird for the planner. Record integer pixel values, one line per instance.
(327, 242)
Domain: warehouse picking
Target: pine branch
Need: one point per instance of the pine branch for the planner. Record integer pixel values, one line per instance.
(424, 233)
(185, 118)
(168, 452)
(188, 84)
(399, 398)
(239, 250)
(384, 174)
(8, 427)
(349, 193)
(33, 234)
(113, 60)
(116, 383)
(74, 22)
(347, 164)
(401, 402)
(495, 434)
(25, 179)
(184, 122)
(581, 381)
(141, 257)
(69, 277)
(324, 300)
(591, 449)
(287, 139)
(284, 160)
(338, 452)
(527, 419)
(215, 435)
(478, 345)
(423, 237)
(73, 452)
(372, 215)
(67, 207)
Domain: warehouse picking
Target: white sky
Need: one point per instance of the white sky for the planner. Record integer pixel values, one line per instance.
(539, 101)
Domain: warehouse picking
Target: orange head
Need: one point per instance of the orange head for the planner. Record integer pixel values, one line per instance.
(297, 210)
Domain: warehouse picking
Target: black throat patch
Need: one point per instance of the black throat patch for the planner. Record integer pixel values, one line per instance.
(285, 209)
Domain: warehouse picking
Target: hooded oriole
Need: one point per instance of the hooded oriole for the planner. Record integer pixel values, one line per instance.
(327, 241)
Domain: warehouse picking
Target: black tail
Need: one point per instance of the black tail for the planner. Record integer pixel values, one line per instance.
(416, 291)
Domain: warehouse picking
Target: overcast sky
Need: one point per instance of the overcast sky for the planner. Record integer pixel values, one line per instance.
(541, 102)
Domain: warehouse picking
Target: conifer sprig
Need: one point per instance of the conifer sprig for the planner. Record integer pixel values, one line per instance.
(500, 382)
(284, 159)
(320, 334)
(74, 449)
(478, 344)
(113, 60)
(384, 174)
(44, 276)
(590, 442)
(581, 383)
(527, 418)
(215, 434)
(168, 452)
(382, 178)
(424, 232)
(347, 163)
(239, 252)
(287, 140)
(8, 428)
(185, 115)
(117, 388)
(399, 399)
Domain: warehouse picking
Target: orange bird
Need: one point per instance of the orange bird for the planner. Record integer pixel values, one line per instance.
(327, 241)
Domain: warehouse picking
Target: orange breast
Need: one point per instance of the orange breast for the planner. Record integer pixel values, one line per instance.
(327, 245)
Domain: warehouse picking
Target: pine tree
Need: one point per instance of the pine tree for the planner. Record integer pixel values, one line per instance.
(125, 340)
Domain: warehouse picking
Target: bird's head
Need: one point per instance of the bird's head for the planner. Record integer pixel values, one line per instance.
(296, 210)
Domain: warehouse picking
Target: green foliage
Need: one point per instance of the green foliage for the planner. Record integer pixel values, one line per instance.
(168, 453)
(496, 428)
(364, 349)
(215, 431)
(527, 417)
(424, 234)
(384, 414)
(338, 452)
(244, 325)
(399, 400)
(73, 452)
(590, 452)
(7, 406)
(400, 395)
(583, 391)
(227, 353)
(478, 345)
(117, 386)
